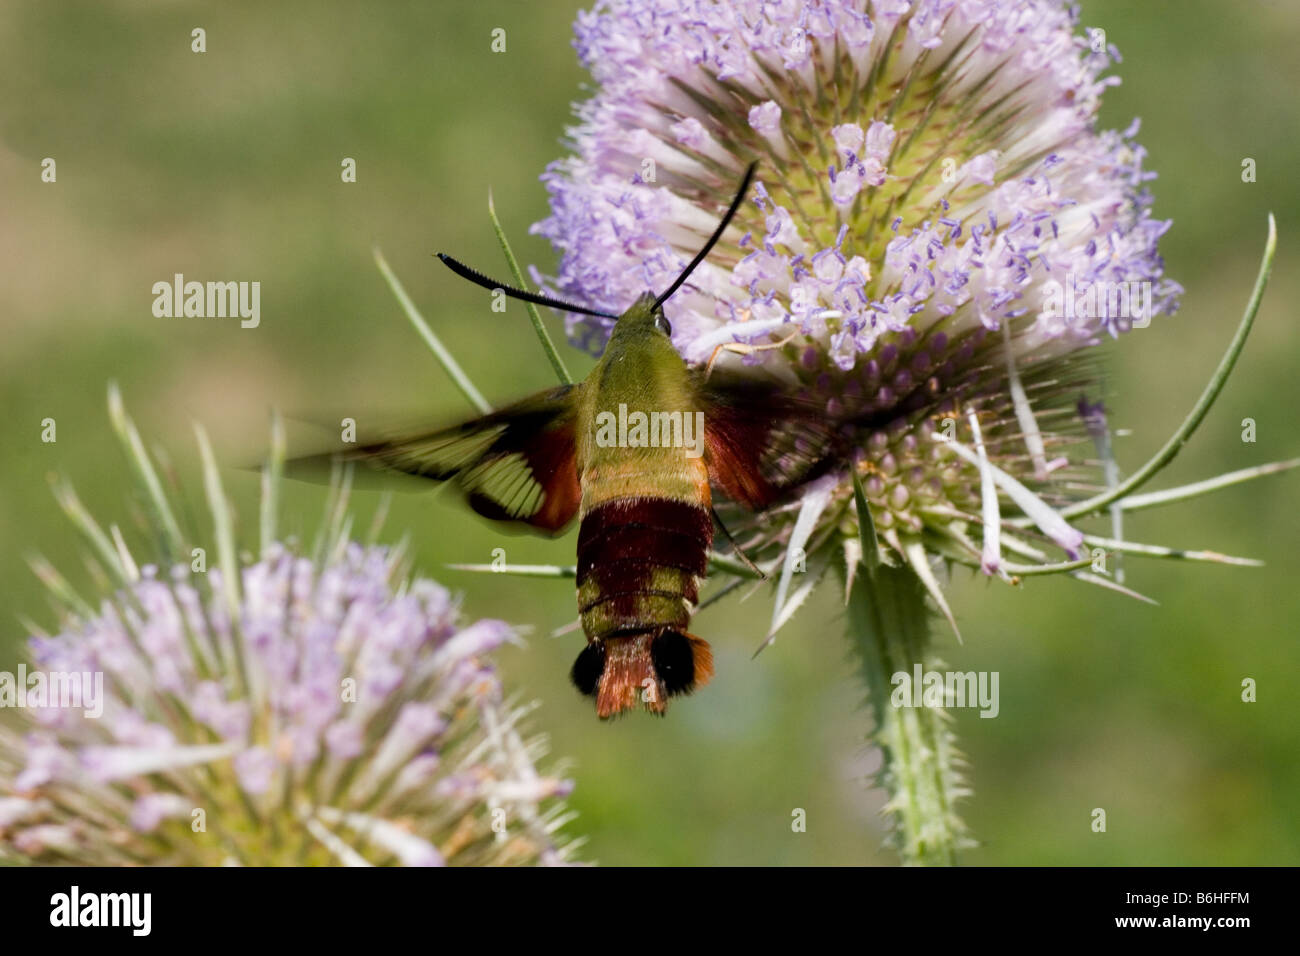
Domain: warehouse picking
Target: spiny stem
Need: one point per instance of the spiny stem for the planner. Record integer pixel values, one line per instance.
(90, 530)
(1160, 551)
(272, 477)
(444, 357)
(889, 630)
(1183, 492)
(1202, 407)
(223, 523)
(866, 525)
(543, 336)
(59, 587)
(172, 539)
(718, 563)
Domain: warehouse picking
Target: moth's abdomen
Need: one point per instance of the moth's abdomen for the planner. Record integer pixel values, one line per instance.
(640, 560)
(647, 527)
(639, 564)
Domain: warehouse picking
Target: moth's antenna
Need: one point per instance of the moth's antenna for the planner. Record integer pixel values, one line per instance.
(717, 234)
(478, 278)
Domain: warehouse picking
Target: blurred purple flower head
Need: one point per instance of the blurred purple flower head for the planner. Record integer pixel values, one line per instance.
(326, 711)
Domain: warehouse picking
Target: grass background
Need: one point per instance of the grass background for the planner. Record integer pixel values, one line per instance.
(226, 166)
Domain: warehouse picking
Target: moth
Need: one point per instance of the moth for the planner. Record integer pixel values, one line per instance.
(636, 453)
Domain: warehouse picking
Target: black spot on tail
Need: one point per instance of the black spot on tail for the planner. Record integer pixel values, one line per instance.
(674, 662)
(588, 668)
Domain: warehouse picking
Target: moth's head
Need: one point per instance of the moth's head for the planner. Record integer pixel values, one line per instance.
(645, 668)
(646, 314)
(645, 317)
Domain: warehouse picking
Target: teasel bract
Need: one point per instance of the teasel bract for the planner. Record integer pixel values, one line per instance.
(328, 709)
(939, 237)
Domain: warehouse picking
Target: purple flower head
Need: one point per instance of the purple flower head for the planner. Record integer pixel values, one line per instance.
(305, 716)
(937, 227)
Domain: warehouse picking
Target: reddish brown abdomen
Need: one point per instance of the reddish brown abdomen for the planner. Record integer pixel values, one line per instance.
(640, 560)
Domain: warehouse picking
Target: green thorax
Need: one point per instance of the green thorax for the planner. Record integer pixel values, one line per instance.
(640, 373)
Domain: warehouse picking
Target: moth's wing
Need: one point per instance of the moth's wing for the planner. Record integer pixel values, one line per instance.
(761, 439)
(518, 464)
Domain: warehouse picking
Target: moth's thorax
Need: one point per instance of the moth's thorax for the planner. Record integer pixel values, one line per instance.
(640, 428)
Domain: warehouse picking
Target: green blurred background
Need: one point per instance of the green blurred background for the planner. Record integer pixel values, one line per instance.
(226, 166)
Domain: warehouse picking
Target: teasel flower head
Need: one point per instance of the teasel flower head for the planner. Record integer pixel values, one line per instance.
(939, 239)
(300, 707)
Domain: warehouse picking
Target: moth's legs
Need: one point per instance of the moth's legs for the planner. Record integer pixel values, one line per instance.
(744, 348)
(736, 549)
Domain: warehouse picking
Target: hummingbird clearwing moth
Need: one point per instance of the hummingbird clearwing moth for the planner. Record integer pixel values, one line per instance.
(592, 450)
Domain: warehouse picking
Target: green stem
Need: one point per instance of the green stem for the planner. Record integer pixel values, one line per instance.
(543, 336)
(444, 357)
(1171, 448)
(889, 628)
